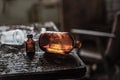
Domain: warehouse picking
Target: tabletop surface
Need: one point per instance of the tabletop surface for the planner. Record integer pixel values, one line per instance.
(14, 62)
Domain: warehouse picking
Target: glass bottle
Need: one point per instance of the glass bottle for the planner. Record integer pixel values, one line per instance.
(12, 37)
(56, 42)
(30, 47)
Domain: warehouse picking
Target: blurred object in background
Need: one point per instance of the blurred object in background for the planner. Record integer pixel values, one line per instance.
(52, 25)
(17, 12)
(83, 13)
(65, 14)
(33, 13)
(50, 2)
(107, 58)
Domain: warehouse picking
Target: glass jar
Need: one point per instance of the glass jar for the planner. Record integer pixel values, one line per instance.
(12, 37)
(56, 42)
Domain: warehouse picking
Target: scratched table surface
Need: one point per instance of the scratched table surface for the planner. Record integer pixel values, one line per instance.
(14, 64)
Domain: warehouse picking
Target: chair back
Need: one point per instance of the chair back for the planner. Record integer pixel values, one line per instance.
(113, 46)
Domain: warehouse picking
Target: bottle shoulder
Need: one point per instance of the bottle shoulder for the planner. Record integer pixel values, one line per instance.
(30, 41)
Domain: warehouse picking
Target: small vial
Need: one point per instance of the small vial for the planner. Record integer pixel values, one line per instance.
(30, 47)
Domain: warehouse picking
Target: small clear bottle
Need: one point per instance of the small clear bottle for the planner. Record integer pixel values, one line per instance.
(30, 47)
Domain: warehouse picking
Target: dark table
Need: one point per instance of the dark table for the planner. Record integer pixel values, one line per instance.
(15, 65)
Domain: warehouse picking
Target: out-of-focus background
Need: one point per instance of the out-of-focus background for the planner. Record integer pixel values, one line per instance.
(29, 11)
(96, 15)
(68, 13)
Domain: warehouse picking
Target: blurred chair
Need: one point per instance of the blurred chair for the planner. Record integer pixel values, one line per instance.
(112, 49)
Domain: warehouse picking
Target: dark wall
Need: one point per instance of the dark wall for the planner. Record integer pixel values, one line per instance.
(83, 14)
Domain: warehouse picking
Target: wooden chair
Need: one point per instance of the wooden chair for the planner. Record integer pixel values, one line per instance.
(111, 53)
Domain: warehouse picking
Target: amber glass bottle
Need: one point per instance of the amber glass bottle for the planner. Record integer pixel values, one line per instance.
(30, 47)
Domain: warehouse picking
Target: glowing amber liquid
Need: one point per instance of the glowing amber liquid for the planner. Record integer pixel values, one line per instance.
(56, 42)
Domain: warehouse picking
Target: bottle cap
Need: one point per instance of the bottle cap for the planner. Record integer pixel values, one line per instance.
(29, 35)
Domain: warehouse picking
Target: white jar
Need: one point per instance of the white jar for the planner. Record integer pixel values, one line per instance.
(13, 37)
